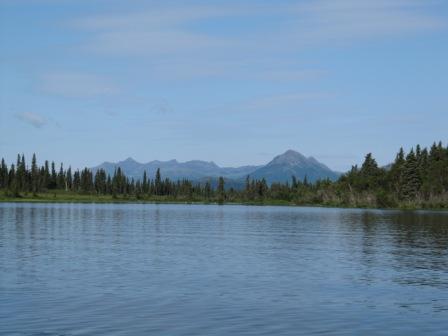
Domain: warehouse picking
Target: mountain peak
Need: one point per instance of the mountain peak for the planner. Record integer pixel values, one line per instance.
(292, 163)
(291, 152)
(290, 157)
(129, 160)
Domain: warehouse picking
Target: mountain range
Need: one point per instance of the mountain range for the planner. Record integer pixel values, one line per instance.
(280, 169)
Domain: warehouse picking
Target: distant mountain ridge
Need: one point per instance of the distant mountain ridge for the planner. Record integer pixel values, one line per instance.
(280, 169)
(192, 170)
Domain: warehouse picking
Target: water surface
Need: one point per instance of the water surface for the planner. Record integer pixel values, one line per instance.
(132, 269)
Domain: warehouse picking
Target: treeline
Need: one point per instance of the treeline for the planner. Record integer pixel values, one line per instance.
(23, 179)
(418, 178)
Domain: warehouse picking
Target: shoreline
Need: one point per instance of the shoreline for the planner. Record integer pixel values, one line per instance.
(86, 199)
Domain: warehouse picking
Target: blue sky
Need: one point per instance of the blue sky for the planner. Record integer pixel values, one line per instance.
(236, 82)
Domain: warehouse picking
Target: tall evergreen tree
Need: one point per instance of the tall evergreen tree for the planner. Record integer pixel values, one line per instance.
(35, 175)
(69, 179)
(60, 180)
(20, 174)
(46, 179)
(410, 178)
(4, 181)
(158, 183)
(396, 171)
(207, 190)
(370, 173)
(221, 189)
(53, 177)
(76, 181)
(145, 184)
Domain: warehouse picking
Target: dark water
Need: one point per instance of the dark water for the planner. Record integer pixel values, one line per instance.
(221, 270)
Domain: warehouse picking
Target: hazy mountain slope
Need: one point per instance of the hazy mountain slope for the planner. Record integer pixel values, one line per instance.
(193, 170)
(280, 169)
(292, 163)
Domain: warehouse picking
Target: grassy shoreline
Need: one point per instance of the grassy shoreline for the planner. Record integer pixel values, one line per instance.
(126, 200)
(68, 197)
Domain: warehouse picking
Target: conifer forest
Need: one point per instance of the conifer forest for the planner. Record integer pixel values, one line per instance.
(415, 179)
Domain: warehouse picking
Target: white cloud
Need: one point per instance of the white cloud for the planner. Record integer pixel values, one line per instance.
(167, 30)
(155, 42)
(158, 31)
(264, 70)
(73, 84)
(32, 119)
(154, 18)
(176, 41)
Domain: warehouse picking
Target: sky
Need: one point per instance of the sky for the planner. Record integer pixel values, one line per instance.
(234, 82)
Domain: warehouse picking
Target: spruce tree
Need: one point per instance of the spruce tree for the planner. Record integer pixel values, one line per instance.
(221, 190)
(13, 182)
(4, 175)
(20, 174)
(370, 173)
(158, 183)
(60, 182)
(69, 179)
(410, 178)
(76, 181)
(46, 176)
(53, 177)
(34, 174)
(145, 185)
(207, 190)
(395, 173)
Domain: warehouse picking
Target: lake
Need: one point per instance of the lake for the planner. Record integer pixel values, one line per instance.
(147, 269)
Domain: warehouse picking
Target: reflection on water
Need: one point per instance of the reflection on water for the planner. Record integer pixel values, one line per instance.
(72, 269)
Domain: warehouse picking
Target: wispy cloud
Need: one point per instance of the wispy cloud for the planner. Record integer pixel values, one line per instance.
(177, 43)
(74, 84)
(167, 30)
(155, 32)
(283, 100)
(32, 119)
(326, 21)
(279, 74)
(297, 104)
